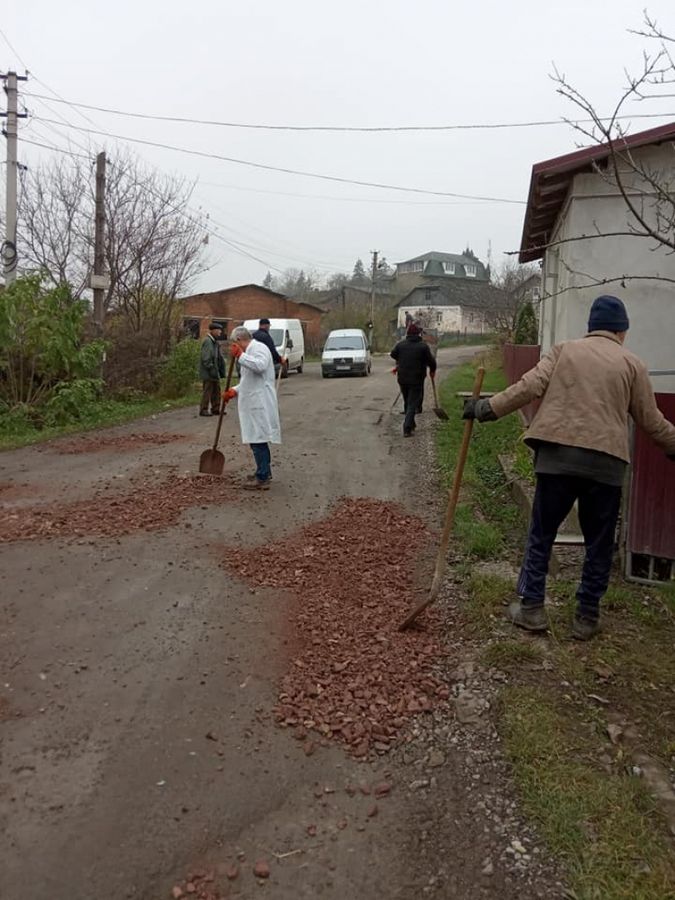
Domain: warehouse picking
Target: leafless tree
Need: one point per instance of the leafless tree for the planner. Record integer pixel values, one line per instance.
(647, 190)
(55, 222)
(507, 295)
(154, 241)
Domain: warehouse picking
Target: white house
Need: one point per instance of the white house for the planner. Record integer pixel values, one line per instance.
(451, 306)
(579, 223)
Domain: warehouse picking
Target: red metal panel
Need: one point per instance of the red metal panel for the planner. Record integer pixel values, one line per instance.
(651, 527)
(518, 359)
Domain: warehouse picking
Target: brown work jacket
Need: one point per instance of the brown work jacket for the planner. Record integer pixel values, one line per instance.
(588, 388)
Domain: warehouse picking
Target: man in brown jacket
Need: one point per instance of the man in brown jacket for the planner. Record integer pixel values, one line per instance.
(588, 388)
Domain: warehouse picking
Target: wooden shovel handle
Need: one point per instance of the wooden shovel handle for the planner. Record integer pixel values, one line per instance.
(228, 382)
(439, 570)
(433, 387)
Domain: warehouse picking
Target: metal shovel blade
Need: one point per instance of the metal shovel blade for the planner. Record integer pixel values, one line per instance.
(441, 414)
(211, 462)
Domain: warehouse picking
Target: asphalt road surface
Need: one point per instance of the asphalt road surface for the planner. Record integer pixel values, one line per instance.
(120, 654)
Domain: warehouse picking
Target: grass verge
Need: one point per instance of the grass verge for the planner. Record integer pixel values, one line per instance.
(605, 827)
(487, 513)
(580, 787)
(15, 433)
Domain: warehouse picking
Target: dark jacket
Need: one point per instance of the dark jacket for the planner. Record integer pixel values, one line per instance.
(265, 338)
(413, 357)
(211, 362)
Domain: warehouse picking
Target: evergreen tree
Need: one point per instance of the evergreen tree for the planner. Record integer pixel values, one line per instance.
(527, 330)
(359, 274)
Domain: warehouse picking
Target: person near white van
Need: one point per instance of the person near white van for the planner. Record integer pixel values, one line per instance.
(262, 334)
(258, 407)
(287, 337)
(346, 352)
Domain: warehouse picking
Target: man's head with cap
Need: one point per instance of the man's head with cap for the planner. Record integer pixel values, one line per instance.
(264, 324)
(215, 327)
(608, 313)
(413, 329)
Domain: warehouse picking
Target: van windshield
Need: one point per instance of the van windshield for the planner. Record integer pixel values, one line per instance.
(277, 335)
(348, 342)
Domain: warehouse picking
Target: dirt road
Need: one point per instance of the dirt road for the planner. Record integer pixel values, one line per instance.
(138, 679)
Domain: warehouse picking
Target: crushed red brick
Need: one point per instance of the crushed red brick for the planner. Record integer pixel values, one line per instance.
(199, 886)
(148, 507)
(120, 442)
(356, 678)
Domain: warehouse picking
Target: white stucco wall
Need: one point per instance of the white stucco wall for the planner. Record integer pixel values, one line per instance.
(444, 318)
(594, 205)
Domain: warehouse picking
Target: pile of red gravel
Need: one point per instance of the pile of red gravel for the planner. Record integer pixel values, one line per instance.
(121, 442)
(356, 678)
(149, 506)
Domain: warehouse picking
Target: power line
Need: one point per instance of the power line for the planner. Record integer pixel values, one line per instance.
(288, 171)
(476, 126)
(238, 187)
(235, 246)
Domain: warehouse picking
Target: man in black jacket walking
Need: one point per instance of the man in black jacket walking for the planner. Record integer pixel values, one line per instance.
(263, 335)
(413, 357)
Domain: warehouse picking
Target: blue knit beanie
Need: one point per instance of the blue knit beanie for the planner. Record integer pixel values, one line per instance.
(608, 314)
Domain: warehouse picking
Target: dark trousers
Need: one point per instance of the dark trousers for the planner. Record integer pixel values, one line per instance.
(263, 461)
(210, 396)
(598, 506)
(412, 398)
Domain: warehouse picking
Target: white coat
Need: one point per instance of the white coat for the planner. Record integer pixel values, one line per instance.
(258, 407)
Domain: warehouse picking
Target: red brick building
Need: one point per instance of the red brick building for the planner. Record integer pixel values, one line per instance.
(233, 306)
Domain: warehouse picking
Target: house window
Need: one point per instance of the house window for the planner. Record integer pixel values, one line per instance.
(449, 268)
(439, 318)
(427, 294)
(415, 266)
(536, 293)
(470, 270)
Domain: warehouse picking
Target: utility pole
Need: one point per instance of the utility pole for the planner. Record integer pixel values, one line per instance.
(9, 253)
(373, 275)
(99, 280)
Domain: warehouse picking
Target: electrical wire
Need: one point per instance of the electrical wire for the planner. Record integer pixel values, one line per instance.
(287, 171)
(238, 187)
(475, 126)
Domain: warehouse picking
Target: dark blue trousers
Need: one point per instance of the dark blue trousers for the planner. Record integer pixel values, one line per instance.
(263, 461)
(598, 506)
(413, 395)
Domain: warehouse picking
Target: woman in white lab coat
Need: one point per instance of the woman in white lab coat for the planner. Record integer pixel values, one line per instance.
(258, 407)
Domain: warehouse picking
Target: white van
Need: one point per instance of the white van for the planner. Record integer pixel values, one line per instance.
(346, 352)
(288, 339)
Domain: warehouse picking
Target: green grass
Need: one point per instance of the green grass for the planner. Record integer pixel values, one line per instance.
(512, 653)
(486, 598)
(484, 487)
(603, 824)
(19, 433)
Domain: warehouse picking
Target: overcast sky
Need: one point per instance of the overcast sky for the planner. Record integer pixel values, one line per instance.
(353, 63)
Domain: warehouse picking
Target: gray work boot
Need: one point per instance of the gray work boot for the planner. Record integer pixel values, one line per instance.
(583, 628)
(531, 618)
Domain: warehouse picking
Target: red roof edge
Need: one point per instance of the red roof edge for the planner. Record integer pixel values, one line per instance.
(571, 164)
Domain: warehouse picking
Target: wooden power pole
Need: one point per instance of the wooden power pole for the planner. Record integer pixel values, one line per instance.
(99, 280)
(373, 276)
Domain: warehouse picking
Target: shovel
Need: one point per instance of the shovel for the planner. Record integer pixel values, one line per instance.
(439, 570)
(212, 461)
(440, 412)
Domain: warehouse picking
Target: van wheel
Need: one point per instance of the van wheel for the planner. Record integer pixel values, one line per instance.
(299, 369)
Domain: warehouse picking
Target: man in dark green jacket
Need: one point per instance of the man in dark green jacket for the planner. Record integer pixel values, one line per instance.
(211, 370)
